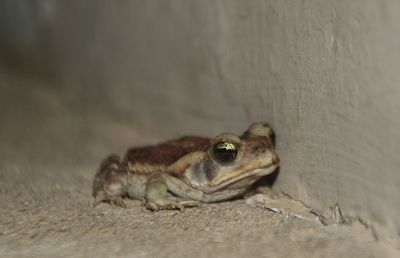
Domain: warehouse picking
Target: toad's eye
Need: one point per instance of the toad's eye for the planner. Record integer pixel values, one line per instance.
(225, 152)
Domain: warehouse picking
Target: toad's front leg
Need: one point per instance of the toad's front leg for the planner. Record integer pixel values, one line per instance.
(157, 197)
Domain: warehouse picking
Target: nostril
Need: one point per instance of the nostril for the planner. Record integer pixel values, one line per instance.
(275, 159)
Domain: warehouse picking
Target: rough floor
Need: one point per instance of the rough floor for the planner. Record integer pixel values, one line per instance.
(52, 217)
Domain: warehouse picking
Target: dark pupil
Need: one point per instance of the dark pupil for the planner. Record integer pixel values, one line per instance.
(225, 152)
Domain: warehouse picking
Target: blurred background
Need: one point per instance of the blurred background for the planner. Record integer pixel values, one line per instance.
(82, 79)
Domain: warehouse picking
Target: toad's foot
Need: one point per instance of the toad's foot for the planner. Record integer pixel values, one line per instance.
(164, 204)
(169, 204)
(113, 200)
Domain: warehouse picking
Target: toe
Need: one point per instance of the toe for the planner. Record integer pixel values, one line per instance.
(118, 202)
(179, 206)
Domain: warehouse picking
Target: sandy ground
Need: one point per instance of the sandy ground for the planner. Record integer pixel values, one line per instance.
(52, 217)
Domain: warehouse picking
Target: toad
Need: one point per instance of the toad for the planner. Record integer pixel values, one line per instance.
(188, 171)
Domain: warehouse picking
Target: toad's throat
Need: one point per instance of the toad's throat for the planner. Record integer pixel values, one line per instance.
(238, 174)
(229, 181)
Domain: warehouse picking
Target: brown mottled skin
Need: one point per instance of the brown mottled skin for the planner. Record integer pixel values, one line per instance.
(183, 172)
(168, 152)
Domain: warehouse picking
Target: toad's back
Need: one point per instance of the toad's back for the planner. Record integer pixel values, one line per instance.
(168, 152)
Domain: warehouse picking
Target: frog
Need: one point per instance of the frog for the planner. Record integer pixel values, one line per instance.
(188, 171)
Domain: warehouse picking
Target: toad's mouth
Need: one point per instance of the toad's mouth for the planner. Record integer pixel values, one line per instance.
(242, 180)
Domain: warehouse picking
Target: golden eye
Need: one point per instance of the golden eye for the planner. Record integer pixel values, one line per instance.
(225, 152)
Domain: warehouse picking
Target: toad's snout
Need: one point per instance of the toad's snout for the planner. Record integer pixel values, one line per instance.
(275, 158)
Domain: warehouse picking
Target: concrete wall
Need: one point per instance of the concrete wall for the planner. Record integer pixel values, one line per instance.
(80, 78)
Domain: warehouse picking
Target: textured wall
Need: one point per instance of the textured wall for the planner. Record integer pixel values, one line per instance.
(325, 74)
